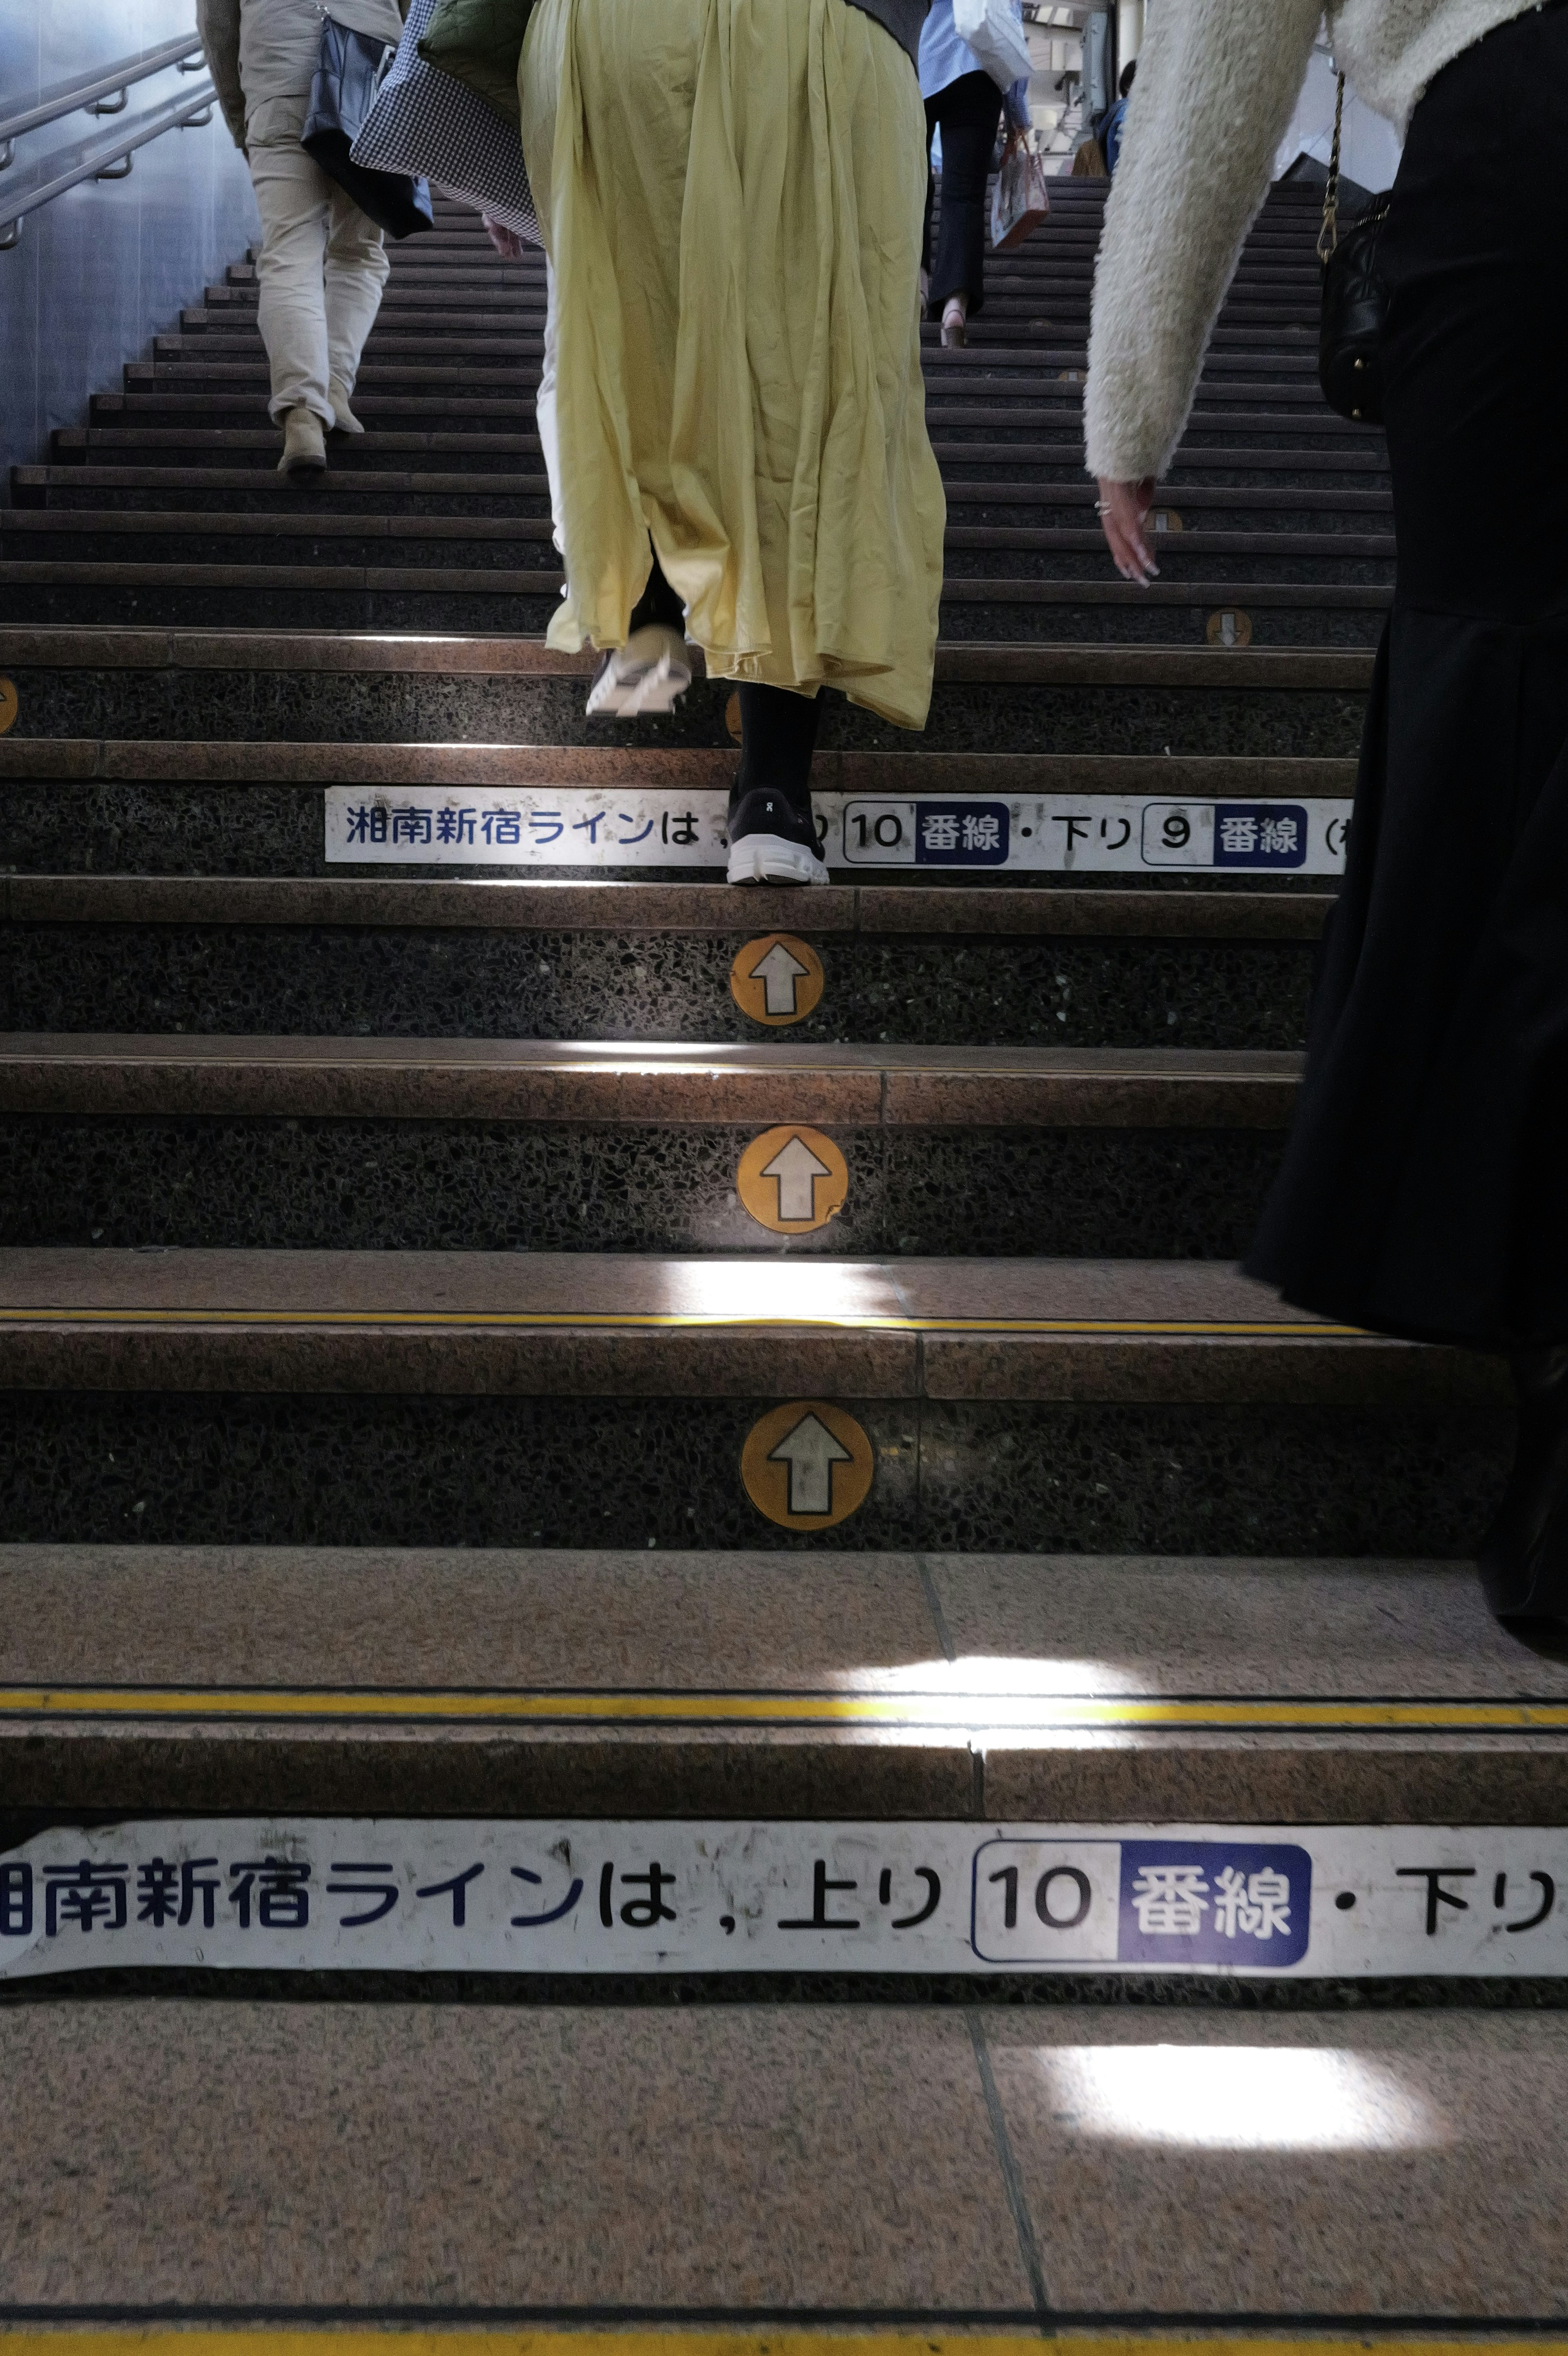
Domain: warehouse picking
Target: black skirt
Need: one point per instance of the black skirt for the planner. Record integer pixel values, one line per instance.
(1424, 1187)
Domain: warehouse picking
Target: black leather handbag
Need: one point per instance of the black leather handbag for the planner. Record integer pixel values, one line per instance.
(1355, 300)
(342, 92)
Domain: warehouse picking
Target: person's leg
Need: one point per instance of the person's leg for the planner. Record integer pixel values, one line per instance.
(930, 204)
(355, 276)
(969, 111)
(544, 404)
(293, 196)
(657, 607)
(772, 831)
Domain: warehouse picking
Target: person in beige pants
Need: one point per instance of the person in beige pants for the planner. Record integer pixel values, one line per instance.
(322, 266)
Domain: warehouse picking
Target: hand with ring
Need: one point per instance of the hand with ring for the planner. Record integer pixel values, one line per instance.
(1122, 508)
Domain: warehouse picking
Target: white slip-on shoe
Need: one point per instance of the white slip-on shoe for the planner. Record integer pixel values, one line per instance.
(650, 674)
(343, 416)
(303, 444)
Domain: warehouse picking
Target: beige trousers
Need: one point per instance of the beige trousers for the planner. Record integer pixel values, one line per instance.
(321, 272)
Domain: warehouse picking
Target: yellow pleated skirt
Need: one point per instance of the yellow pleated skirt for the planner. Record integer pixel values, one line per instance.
(730, 193)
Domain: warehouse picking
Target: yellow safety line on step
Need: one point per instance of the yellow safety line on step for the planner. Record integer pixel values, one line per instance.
(1027, 1712)
(719, 2340)
(462, 1321)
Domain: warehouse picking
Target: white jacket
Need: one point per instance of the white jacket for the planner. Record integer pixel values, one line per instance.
(1217, 84)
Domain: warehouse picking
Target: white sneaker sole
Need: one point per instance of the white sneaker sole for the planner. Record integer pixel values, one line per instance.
(769, 859)
(640, 689)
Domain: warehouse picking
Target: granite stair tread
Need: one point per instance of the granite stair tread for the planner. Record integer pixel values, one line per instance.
(119, 646)
(643, 2165)
(390, 1679)
(563, 1080)
(638, 1325)
(355, 762)
(948, 910)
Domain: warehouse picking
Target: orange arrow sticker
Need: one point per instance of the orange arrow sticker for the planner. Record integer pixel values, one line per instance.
(793, 1180)
(807, 1465)
(777, 979)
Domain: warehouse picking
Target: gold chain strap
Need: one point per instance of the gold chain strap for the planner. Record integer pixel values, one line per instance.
(1328, 235)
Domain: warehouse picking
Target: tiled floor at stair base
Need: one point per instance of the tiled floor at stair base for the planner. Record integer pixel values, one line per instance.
(860, 2162)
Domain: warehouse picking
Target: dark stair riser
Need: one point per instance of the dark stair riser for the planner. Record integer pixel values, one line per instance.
(1047, 484)
(52, 828)
(1004, 1477)
(469, 529)
(467, 1185)
(1139, 620)
(1135, 622)
(306, 981)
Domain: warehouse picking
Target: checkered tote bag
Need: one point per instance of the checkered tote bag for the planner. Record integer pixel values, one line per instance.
(426, 122)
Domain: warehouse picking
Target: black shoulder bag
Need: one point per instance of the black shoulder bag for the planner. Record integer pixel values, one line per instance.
(1355, 300)
(348, 76)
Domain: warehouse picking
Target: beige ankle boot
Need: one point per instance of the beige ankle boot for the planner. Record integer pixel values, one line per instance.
(347, 422)
(303, 444)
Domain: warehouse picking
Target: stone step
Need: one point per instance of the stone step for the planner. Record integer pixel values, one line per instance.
(78, 807)
(1243, 360)
(975, 609)
(356, 955)
(216, 684)
(987, 2173)
(1279, 412)
(154, 457)
(309, 1143)
(449, 1397)
(477, 509)
(1019, 481)
(969, 1688)
(459, 602)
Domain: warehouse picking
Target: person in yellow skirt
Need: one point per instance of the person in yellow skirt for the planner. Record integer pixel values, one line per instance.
(730, 194)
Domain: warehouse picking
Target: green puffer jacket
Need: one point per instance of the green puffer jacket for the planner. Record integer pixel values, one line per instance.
(478, 42)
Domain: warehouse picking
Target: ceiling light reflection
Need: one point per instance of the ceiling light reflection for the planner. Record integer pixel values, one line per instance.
(1004, 1674)
(1237, 2098)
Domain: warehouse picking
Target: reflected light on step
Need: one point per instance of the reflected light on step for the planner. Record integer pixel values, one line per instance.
(1004, 1673)
(1237, 2098)
(824, 1292)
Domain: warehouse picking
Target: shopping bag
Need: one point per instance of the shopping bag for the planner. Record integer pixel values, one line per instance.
(342, 95)
(994, 29)
(1019, 200)
(426, 121)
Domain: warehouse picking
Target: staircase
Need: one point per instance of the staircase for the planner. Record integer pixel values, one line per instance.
(444, 1423)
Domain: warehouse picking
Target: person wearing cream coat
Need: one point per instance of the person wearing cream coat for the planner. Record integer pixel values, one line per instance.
(1422, 1185)
(322, 266)
(1217, 82)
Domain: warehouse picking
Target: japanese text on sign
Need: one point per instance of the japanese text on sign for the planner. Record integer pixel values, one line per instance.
(578, 1896)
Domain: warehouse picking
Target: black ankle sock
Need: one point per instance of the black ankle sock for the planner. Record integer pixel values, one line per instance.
(778, 737)
(658, 602)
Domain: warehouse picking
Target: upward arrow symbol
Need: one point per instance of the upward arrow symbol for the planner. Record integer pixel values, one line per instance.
(796, 1169)
(777, 972)
(811, 1451)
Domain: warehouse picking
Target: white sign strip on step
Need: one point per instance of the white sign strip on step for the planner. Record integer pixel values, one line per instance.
(383, 1894)
(583, 827)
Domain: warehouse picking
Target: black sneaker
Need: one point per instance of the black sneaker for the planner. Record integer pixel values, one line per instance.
(771, 840)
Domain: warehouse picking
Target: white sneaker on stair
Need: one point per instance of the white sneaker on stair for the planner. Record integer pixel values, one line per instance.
(650, 674)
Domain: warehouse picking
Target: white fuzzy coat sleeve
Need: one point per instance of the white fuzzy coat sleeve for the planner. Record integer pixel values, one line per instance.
(1217, 81)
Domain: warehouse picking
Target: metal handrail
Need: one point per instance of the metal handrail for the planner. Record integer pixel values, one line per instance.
(111, 163)
(114, 84)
